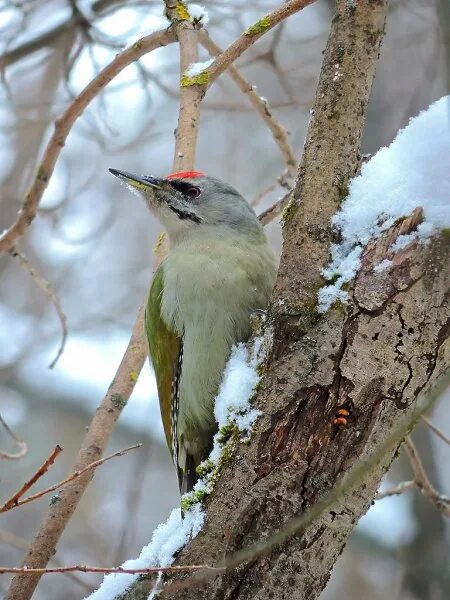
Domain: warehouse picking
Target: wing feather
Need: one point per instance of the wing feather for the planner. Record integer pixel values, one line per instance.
(166, 353)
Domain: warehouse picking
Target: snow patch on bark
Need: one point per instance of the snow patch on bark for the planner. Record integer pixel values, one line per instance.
(167, 539)
(413, 171)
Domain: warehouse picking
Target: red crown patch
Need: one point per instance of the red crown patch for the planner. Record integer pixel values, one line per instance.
(185, 175)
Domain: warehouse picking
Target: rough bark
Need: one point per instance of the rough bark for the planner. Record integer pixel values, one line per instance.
(379, 356)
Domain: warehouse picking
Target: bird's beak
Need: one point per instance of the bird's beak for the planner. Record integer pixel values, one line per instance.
(137, 181)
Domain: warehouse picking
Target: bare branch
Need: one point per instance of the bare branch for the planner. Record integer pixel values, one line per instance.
(10, 539)
(275, 210)
(259, 104)
(417, 468)
(64, 124)
(259, 197)
(38, 43)
(435, 429)
(39, 473)
(190, 96)
(49, 37)
(14, 502)
(421, 479)
(87, 569)
(23, 448)
(253, 33)
(401, 488)
(45, 286)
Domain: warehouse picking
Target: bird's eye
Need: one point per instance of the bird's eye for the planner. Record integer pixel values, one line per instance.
(193, 192)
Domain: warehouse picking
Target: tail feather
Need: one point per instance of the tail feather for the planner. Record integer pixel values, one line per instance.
(187, 476)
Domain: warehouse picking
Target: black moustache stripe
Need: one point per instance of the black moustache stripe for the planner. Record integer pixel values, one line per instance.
(184, 214)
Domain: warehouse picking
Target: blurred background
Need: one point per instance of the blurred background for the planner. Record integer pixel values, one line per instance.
(93, 241)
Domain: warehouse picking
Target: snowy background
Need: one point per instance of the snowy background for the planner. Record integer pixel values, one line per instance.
(94, 242)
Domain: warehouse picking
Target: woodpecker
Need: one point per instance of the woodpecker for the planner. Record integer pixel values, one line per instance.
(218, 271)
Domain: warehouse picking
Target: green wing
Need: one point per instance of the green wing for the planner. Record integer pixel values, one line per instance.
(165, 347)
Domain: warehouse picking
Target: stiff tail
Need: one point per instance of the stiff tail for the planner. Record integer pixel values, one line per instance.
(187, 476)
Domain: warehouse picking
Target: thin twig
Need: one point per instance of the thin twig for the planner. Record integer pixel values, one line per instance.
(88, 569)
(422, 482)
(64, 124)
(23, 448)
(249, 37)
(257, 199)
(39, 473)
(435, 429)
(418, 469)
(401, 488)
(260, 104)
(49, 37)
(14, 502)
(275, 210)
(10, 539)
(45, 286)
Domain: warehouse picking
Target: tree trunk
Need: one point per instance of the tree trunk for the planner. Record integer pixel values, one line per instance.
(378, 356)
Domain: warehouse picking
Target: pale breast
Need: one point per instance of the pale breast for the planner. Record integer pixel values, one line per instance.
(210, 290)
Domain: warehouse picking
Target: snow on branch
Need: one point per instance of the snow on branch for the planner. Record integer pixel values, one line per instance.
(198, 67)
(167, 539)
(414, 171)
(199, 14)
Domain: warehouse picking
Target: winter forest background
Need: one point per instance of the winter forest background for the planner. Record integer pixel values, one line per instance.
(93, 241)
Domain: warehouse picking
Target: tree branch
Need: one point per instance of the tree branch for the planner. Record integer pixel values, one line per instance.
(49, 37)
(27, 571)
(39, 473)
(399, 489)
(45, 286)
(252, 34)
(354, 479)
(261, 106)
(190, 97)
(421, 480)
(64, 124)
(435, 429)
(15, 501)
(15, 541)
(275, 210)
(23, 448)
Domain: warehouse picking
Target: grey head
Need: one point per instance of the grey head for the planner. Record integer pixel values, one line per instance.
(190, 201)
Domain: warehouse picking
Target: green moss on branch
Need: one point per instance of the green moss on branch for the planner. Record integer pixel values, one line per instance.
(200, 79)
(259, 27)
